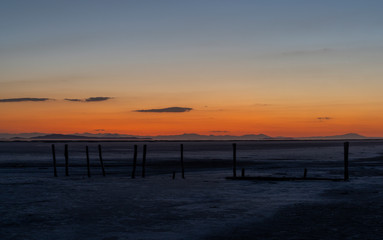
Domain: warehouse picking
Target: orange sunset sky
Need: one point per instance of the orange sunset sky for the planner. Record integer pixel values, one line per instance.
(281, 68)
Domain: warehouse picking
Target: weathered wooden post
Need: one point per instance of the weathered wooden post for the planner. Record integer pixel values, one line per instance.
(87, 160)
(134, 162)
(234, 160)
(182, 161)
(66, 160)
(101, 161)
(346, 148)
(143, 161)
(305, 173)
(174, 175)
(243, 172)
(54, 160)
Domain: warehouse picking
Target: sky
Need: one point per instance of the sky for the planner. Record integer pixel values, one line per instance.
(164, 67)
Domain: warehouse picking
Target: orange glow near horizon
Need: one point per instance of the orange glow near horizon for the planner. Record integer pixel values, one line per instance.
(103, 117)
(294, 76)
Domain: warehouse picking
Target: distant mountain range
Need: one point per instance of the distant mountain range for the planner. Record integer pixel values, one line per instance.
(339, 137)
(193, 136)
(79, 137)
(182, 137)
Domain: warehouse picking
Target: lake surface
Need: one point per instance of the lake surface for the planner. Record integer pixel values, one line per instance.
(37, 205)
(164, 157)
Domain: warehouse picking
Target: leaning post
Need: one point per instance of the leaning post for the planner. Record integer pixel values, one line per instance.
(101, 161)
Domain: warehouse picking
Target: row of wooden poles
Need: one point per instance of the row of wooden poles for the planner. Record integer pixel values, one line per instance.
(66, 154)
(346, 152)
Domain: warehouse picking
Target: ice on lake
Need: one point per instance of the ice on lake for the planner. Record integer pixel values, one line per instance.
(36, 205)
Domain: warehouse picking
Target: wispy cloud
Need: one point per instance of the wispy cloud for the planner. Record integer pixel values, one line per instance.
(324, 118)
(73, 100)
(25, 99)
(261, 105)
(308, 52)
(166, 110)
(91, 99)
(97, 99)
(220, 131)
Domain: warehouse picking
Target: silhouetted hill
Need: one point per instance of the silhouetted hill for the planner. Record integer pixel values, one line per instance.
(181, 137)
(339, 137)
(78, 137)
(193, 136)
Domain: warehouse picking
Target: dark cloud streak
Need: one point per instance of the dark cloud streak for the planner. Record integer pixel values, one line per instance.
(73, 100)
(25, 99)
(97, 99)
(166, 110)
(324, 118)
(91, 99)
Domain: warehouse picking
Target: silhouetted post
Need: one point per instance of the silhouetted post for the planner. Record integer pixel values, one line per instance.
(54, 160)
(346, 147)
(243, 172)
(143, 161)
(174, 175)
(101, 161)
(87, 160)
(134, 162)
(305, 173)
(182, 161)
(66, 160)
(234, 160)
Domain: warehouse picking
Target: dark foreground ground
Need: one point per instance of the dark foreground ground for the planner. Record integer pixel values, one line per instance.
(354, 214)
(352, 211)
(34, 205)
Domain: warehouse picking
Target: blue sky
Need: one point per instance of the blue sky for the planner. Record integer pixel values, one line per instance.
(223, 54)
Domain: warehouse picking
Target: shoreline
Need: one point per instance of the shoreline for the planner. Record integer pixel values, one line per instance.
(161, 140)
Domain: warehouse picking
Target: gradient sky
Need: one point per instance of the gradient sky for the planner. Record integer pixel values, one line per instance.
(282, 68)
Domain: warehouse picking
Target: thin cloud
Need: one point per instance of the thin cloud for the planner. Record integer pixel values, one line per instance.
(97, 99)
(261, 105)
(166, 110)
(25, 99)
(324, 118)
(91, 99)
(73, 100)
(308, 52)
(220, 131)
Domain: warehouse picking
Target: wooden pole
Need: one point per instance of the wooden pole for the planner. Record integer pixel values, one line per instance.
(243, 172)
(174, 175)
(54, 160)
(101, 161)
(182, 161)
(346, 148)
(305, 173)
(87, 160)
(234, 160)
(143, 161)
(134, 162)
(66, 160)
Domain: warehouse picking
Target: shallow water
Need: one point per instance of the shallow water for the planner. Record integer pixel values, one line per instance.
(164, 157)
(36, 205)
